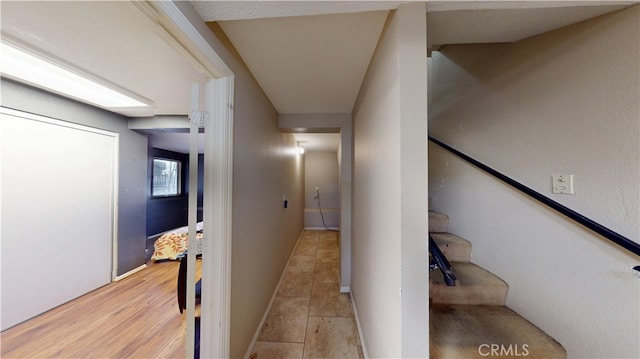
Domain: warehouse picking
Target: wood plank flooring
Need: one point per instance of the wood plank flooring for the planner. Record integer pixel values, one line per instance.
(137, 317)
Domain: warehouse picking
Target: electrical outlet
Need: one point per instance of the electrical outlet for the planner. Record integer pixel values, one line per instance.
(317, 194)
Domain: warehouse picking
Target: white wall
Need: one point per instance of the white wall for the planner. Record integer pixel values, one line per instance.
(132, 160)
(565, 102)
(389, 256)
(73, 185)
(266, 167)
(321, 170)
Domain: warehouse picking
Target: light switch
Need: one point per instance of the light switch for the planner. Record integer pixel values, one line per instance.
(562, 184)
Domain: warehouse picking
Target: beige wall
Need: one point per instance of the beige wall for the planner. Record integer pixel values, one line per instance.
(389, 256)
(321, 170)
(266, 167)
(565, 102)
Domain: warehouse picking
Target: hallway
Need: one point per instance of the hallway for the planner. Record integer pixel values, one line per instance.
(309, 317)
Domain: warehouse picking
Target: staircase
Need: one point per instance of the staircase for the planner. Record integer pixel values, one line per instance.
(470, 319)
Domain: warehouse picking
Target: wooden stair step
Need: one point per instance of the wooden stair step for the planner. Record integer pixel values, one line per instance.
(456, 249)
(472, 331)
(438, 222)
(474, 285)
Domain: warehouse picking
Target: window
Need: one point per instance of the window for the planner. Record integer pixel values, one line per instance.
(165, 178)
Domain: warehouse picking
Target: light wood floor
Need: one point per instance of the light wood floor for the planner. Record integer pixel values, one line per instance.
(137, 317)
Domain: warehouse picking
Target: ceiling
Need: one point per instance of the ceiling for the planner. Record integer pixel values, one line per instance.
(318, 141)
(309, 56)
(96, 38)
(309, 64)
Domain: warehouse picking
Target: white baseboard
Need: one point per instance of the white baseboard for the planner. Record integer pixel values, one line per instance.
(133, 271)
(345, 289)
(359, 327)
(273, 297)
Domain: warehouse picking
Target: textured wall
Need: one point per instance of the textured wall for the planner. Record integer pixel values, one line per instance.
(565, 102)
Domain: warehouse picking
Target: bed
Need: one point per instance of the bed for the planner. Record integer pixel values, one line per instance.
(173, 245)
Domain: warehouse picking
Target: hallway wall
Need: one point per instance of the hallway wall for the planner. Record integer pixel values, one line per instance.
(389, 256)
(564, 102)
(266, 167)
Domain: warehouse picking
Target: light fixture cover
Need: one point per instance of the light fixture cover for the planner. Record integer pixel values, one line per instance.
(35, 70)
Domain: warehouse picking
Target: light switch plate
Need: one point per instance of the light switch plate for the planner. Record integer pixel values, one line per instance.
(199, 243)
(562, 184)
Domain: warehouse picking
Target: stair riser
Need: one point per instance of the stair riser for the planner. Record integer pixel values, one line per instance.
(469, 296)
(438, 222)
(453, 247)
(456, 253)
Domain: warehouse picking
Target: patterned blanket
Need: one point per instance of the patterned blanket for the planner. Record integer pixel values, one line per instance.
(172, 245)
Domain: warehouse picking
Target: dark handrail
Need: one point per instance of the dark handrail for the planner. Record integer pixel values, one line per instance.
(441, 262)
(614, 237)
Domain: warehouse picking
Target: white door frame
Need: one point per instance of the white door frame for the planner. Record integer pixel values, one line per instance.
(181, 20)
(218, 205)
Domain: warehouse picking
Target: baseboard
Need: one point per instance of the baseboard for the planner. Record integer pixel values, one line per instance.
(322, 228)
(273, 297)
(359, 327)
(133, 271)
(345, 289)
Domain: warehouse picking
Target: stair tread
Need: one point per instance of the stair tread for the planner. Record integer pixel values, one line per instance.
(458, 331)
(470, 274)
(474, 285)
(455, 248)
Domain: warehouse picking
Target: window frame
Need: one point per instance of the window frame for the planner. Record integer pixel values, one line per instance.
(178, 191)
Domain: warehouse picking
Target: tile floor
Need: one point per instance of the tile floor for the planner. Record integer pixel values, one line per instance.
(309, 317)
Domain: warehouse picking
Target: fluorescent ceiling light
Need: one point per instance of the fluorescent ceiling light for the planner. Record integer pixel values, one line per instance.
(25, 67)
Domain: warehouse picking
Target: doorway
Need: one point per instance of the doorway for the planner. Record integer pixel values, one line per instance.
(341, 124)
(321, 180)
